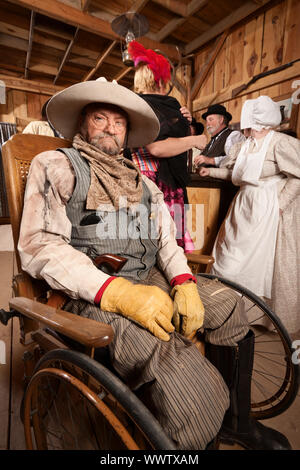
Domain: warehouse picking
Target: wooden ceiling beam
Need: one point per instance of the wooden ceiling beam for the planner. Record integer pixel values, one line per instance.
(85, 5)
(44, 68)
(11, 69)
(66, 56)
(167, 29)
(29, 85)
(138, 5)
(13, 42)
(122, 74)
(103, 16)
(12, 30)
(54, 32)
(180, 9)
(18, 39)
(80, 55)
(235, 17)
(100, 60)
(173, 5)
(70, 15)
(195, 5)
(172, 25)
(30, 40)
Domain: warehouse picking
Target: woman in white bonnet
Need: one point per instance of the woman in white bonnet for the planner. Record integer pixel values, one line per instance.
(258, 245)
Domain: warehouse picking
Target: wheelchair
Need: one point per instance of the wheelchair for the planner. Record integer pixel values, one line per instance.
(72, 398)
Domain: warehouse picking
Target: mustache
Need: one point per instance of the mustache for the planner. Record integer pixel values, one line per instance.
(106, 134)
(105, 147)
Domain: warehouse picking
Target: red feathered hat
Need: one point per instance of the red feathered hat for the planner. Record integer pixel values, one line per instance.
(159, 65)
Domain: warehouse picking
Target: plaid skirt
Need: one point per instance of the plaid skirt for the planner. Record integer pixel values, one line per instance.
(183, 390)
(174, 199)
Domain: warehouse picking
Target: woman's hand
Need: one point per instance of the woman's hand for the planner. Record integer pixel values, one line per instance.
(204, 171)
(186, 113)
(200, 141)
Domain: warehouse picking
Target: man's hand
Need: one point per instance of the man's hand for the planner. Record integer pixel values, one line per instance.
(186, 113)
(188, 308)
(149, 306)
(200, 159)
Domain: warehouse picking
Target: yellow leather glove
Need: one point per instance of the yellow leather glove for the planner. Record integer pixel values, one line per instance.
(188, 308)
(149, 306)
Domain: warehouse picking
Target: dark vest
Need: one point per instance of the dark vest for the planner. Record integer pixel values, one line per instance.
(215, 148)
(125, 233)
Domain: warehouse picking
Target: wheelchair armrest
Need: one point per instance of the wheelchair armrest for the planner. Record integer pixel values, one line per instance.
(88, 332)
(113, 262)
(196, 258)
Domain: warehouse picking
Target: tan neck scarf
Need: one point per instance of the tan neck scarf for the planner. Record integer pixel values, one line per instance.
(115, 181)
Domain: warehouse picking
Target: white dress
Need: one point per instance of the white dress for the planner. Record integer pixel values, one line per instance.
(257, 246)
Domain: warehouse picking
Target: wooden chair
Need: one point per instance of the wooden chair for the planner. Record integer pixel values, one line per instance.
(29, 293)
(52, 330)
(17, 155)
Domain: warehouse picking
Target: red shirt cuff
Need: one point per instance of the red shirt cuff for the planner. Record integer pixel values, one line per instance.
(181, 278)
(99, 294)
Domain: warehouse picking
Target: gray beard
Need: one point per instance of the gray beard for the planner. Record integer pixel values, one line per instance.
(107, 149)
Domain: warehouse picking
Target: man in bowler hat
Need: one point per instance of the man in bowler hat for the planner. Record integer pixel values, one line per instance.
(222, 137)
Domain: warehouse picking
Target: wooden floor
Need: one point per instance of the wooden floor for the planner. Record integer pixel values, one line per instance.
(11, 378)
(11, 373)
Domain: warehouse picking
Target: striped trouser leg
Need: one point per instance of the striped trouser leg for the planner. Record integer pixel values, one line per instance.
(180, 386)
(225, 322)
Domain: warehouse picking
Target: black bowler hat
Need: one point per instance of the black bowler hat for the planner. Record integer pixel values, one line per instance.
(199, 128)
(217, 109)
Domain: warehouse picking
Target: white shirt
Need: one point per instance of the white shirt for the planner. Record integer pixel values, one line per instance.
(233, 138)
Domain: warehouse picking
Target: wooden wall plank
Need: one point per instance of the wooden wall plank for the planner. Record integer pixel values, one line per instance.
(19, 104)
(6, 110)
(292, 31)
(22, 106)
(29, 85)
(235, 54)
(34, 105)
(266, 41)
(253, 39)
(272, 53)
(219, 69)
(182, 75)
(200, 61)
(225, 95)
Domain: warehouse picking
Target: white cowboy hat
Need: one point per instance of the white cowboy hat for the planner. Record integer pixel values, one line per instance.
(63, 109)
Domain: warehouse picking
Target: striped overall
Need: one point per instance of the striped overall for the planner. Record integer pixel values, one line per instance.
(181, 387)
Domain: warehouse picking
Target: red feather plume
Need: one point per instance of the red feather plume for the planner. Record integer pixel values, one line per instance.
(159, 65)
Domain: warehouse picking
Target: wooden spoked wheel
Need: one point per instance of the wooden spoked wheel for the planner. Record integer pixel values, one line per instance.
(73, 402)
(275, 378)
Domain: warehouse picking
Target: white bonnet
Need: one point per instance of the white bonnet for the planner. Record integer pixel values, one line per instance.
(260, 113)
